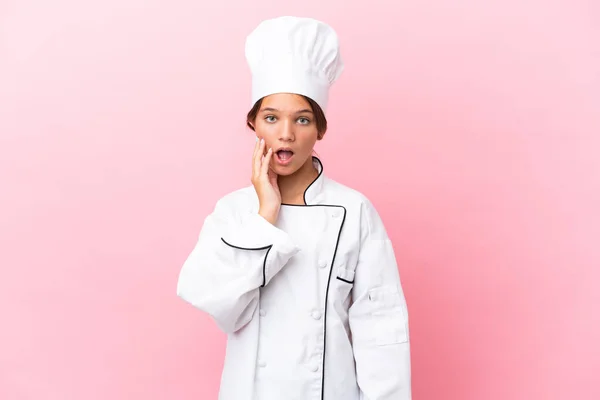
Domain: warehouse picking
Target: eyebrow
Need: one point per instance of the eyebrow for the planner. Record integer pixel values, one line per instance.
(306, 110)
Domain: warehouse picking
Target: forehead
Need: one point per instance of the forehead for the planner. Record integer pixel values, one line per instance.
(285, 102)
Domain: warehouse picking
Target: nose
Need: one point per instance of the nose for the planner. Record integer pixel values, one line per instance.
(286, 133)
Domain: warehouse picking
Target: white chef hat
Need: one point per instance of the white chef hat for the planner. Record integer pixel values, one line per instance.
(293, 55)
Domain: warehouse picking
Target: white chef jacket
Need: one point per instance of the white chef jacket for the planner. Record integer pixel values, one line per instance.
(313, 306)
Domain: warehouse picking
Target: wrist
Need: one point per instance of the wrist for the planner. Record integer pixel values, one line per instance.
(269, 215)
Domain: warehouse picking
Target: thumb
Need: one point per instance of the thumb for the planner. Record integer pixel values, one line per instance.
(272, 177)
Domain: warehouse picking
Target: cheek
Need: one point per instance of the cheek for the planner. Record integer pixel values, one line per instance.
(264, 130)
(308, 138)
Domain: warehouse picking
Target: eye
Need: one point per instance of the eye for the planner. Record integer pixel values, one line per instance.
(304, 121)
(270, 118)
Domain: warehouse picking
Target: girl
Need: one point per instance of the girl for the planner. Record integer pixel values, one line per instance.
(296, 268)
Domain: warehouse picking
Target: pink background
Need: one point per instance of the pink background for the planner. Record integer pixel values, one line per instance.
(473, 126)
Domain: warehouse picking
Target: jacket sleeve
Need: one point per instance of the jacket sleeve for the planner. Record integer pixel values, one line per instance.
(236, 254)
(378, 318)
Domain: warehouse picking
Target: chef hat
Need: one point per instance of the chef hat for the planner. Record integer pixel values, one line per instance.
(293, 55)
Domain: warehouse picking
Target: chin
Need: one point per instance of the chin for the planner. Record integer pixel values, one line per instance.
(285, 170)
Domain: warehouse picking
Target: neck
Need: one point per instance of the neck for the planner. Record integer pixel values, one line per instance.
(292, 187)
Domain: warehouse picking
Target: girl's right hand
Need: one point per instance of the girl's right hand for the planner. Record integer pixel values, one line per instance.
(264, 180)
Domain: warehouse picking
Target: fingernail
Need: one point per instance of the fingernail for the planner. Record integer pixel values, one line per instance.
(262, 141)
(257, 138)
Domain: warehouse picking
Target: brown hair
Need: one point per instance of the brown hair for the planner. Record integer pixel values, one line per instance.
(320, 119)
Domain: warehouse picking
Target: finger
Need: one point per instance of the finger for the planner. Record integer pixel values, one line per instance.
(258, 154)
(256, 144)
(272, 176)
(266, 163)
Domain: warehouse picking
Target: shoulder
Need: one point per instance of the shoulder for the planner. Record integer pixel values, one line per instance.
(345, 195)
(242, 198)
(360, 206)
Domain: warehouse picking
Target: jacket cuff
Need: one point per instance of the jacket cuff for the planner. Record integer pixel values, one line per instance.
(255, 233)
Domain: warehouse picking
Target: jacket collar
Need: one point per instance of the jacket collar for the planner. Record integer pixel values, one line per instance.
(312, 194)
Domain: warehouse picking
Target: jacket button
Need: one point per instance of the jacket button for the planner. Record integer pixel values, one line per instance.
(314, 368)
(316, 314)
(335, 214)
(322, 264)
(262, 313)
(262, 363)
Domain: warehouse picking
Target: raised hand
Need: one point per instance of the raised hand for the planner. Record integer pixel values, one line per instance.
(264, 180)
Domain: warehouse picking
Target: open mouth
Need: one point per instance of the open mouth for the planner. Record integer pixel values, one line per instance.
(284, 156)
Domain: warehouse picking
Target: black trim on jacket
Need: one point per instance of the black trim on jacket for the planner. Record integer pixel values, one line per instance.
(268, 248)
(330, 268)
(344, 280)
